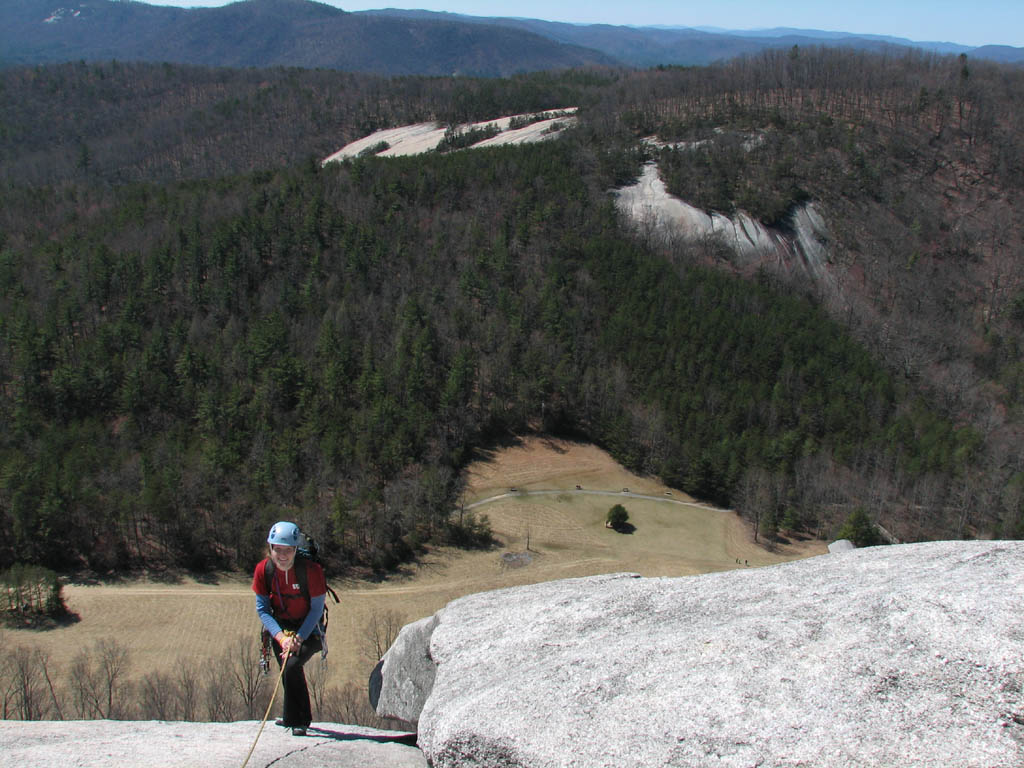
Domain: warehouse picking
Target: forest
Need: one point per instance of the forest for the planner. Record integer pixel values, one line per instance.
(204, 330)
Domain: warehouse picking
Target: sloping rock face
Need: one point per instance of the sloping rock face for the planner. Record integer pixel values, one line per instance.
(147, 744)
(650, 206)
(425, 137)
(909, 655)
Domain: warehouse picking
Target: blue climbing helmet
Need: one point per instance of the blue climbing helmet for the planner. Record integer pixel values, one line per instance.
(285, 534)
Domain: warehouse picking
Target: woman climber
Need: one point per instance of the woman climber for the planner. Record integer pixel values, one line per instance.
(290, 593)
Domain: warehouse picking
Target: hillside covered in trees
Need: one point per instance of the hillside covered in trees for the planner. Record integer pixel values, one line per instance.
(203, 330)
(269, 33)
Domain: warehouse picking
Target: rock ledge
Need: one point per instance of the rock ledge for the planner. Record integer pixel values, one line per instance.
(909, 655)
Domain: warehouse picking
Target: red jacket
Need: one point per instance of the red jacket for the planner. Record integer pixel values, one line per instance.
(286, 599)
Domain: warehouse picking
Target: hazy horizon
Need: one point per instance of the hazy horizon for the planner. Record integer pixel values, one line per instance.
(983, 22)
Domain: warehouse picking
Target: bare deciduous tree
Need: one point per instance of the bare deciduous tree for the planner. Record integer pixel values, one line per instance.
(158, 697)
(85, 687)
(187, 690)
(243, 661)
(349, 704)
(28, 685)
(217, 694)
(114, 662)
(316, 677)
(99, 683)
(380, 632)
(757, 497)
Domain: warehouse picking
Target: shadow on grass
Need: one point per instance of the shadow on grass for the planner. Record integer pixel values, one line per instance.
(38, 622)
(496, 444)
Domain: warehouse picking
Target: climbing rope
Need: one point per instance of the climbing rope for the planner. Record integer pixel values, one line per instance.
(280, 676)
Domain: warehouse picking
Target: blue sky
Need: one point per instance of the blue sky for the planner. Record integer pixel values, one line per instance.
(968, 22)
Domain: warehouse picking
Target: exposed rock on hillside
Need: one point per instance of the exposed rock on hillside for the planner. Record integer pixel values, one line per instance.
(907, 655)
(426, 137)
(650, 206)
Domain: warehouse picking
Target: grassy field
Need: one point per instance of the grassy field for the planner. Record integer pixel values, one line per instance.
(167, 624)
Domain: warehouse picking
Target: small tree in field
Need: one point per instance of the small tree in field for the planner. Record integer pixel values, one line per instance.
(859, 529)
(617, 517)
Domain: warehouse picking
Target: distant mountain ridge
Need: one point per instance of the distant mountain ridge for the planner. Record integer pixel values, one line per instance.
(264, 33)
(941, 46)
(303, 33)
(695, 46)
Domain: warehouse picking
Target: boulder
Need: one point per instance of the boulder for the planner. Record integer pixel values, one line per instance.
(409, 670)
(909, 655)
(841, 545)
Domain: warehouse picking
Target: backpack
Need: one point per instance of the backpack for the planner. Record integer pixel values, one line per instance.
(306, 552)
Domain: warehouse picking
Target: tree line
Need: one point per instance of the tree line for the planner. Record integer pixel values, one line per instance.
(102, 682)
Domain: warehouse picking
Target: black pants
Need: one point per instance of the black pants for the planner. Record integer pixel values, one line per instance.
(297, 712)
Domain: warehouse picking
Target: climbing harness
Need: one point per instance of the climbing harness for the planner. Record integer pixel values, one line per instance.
(280, 676)
(266, 651)
(302, 558)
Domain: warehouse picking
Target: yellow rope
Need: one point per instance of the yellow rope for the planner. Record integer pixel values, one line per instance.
(280, 676)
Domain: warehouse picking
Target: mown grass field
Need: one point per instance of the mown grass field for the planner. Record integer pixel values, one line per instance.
(189, 622)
